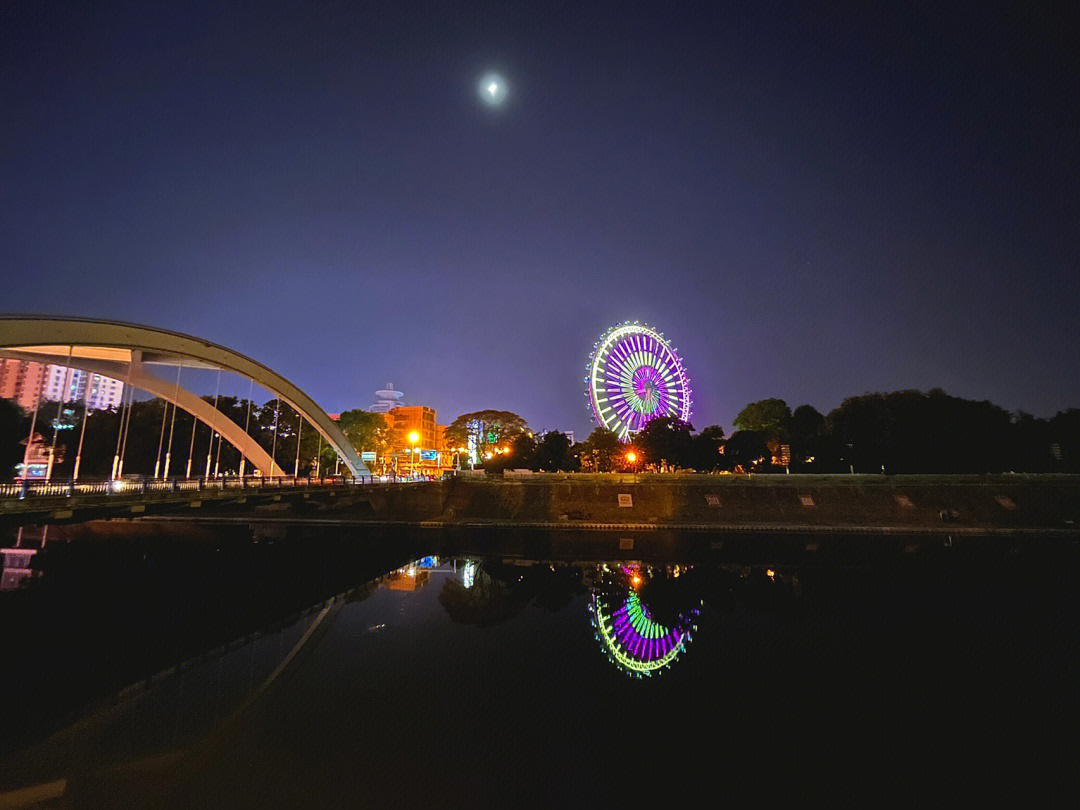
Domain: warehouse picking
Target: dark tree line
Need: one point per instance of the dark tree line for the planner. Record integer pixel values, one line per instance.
(898, 432)
(551, 452)
(915, 432)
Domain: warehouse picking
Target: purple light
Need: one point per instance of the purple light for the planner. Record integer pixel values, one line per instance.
(635, 376)
(630, 636)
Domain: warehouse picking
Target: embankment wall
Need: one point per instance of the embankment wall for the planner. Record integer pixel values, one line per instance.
(736, 502)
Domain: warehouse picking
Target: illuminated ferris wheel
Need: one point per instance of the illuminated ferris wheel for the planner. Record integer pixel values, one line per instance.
(635, 376)
(630, 636)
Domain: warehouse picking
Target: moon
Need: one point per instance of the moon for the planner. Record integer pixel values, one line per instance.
(492, 89)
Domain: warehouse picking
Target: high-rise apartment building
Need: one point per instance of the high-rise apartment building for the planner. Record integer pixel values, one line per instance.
(71, 384)
(20, 381)
(23, 381)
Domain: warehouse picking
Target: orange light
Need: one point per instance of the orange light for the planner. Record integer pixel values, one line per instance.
(631, 456)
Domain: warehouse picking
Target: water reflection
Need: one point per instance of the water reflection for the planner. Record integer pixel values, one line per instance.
(643, 615)
(411, 577)
(489, 591)
(484, 669)
(628, 629)
(92, 619)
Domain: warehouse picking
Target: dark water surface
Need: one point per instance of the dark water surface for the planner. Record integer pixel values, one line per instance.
(292, 668)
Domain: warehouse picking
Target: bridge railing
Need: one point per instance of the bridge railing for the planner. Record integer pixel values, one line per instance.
(140, 484)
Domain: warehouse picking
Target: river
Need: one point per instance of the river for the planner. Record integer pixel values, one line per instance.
(231, 666)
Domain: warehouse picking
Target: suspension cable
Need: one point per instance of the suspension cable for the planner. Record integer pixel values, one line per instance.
(161, 436)
(217, 456)
(213, 424)
(247, 421)
(273, 452)
(124, 397)
(59, 409)
(82, 430)
(191, 447)
(33, 421)
(172, 422)
(299, 434)
(127, 432)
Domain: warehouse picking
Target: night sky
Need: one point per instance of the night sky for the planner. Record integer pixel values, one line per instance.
(811, 202)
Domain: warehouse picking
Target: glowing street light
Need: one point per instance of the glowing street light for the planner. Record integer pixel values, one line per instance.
(414, 437)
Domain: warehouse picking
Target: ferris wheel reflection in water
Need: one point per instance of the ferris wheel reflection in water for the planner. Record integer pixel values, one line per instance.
(634, 636)
(643, 615)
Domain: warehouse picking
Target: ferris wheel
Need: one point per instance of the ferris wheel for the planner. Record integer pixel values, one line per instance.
(635, 376)
(631, 637)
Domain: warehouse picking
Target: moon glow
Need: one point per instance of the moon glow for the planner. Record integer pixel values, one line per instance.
(492, 89)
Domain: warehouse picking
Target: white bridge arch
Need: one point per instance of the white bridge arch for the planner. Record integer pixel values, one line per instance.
(125, 351)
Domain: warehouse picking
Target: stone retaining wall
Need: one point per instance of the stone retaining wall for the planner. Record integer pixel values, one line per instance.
(870, 502)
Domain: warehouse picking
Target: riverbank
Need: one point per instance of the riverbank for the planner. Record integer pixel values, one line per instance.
(1047, 504)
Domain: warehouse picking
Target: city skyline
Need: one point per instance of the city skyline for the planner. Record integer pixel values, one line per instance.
(811, 203)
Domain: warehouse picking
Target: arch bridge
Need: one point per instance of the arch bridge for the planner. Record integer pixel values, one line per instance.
(133, 354)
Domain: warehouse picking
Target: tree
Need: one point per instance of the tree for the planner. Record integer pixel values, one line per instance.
(915, 432)
(1030, 445)
(553, 453)
(518, 453)
(601, 450)
(748, 449)
(805, 433)
(366, 430)
(522, 452)
(666, 439)
(14, 427)
(1065, 435)
(706, 454)
(485, 430)
(768, 416)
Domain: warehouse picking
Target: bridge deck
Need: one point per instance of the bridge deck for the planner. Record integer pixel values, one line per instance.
(75, 501)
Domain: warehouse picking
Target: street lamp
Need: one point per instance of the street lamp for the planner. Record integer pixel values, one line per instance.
(414, 437)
